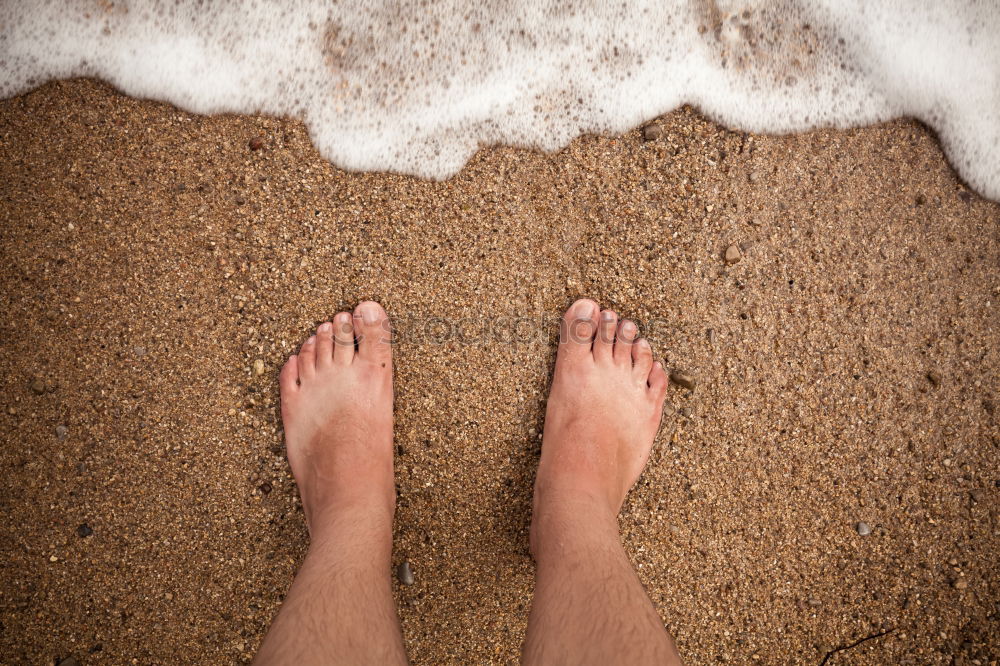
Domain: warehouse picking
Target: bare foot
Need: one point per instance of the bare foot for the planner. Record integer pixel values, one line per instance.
(336, 405)
(603, 412)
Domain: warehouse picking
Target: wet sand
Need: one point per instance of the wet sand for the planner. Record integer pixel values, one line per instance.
(152, 257)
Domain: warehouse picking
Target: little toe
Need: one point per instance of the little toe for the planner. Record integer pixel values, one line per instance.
(642, 359)
(307, 359)
(657, 381)
(373, 331)
(627, 330)
(604, 342)
(343, 338)
(288, 379)
(576, 335)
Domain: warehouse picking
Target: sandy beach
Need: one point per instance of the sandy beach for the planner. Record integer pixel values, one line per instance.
(833, 476)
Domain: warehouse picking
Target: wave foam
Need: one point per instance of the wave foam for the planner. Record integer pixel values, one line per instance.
(418, 87)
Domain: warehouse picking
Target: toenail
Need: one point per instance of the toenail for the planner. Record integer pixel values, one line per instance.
(325, 327)
(629, 329)
(369, 313)
(583, 310)
(311, 340)
(344, 318)
(607, 315)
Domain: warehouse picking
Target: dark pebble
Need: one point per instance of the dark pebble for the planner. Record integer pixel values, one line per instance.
(405, 573)
(61, 432)
(685, 381)
(256, 143)
(651, 132)
(712, 336)
(37, 386)
(265, 488)
(934, 378)
(69, 661)
(84, 531)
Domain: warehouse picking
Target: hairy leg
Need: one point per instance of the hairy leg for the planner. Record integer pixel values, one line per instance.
(602, 416)
(336, 405)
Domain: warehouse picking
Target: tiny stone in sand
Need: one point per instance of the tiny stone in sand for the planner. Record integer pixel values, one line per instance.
(405, 573)
(652, 132)
(863, 528)
(682, 380)
(733, 254)
(258, 367)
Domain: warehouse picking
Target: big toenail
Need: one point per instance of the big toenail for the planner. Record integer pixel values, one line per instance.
(369, 313)
(583, 310)
(325, 327)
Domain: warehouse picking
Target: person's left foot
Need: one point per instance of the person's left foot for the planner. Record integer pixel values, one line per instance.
(336, 405)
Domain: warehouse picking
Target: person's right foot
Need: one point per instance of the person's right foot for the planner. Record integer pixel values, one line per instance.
(603, 413)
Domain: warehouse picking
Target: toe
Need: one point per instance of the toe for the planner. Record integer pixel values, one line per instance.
(604, 343)
(324, 345)
(343, 338)
(642, 359)
(371, 327)
(307, 359)
(624, 341)
(288, 379)
(657, 381)
(576, 335)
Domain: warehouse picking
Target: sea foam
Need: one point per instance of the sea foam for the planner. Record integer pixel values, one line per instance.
(419, 86)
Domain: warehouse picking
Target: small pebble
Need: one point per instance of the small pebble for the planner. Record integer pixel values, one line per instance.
(682, 380)
(652, 132)
(733, 254)
(53, 558)
(84, 531)
(863, 528)
(169, 596)
(960, 584)
(69, 661)
(685, 412)
(37, 386)
(256, 143)
(976, 495)
(405, 573)
(265, 488)
(712, 336)
(934, 378)
(258, 367)
(61, 432)
(139, 351)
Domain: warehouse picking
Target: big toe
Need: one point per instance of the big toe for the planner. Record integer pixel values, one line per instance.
(374, 334)
(576, 335)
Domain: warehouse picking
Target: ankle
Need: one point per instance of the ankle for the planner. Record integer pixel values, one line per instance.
(365, 527)
(565, 520)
